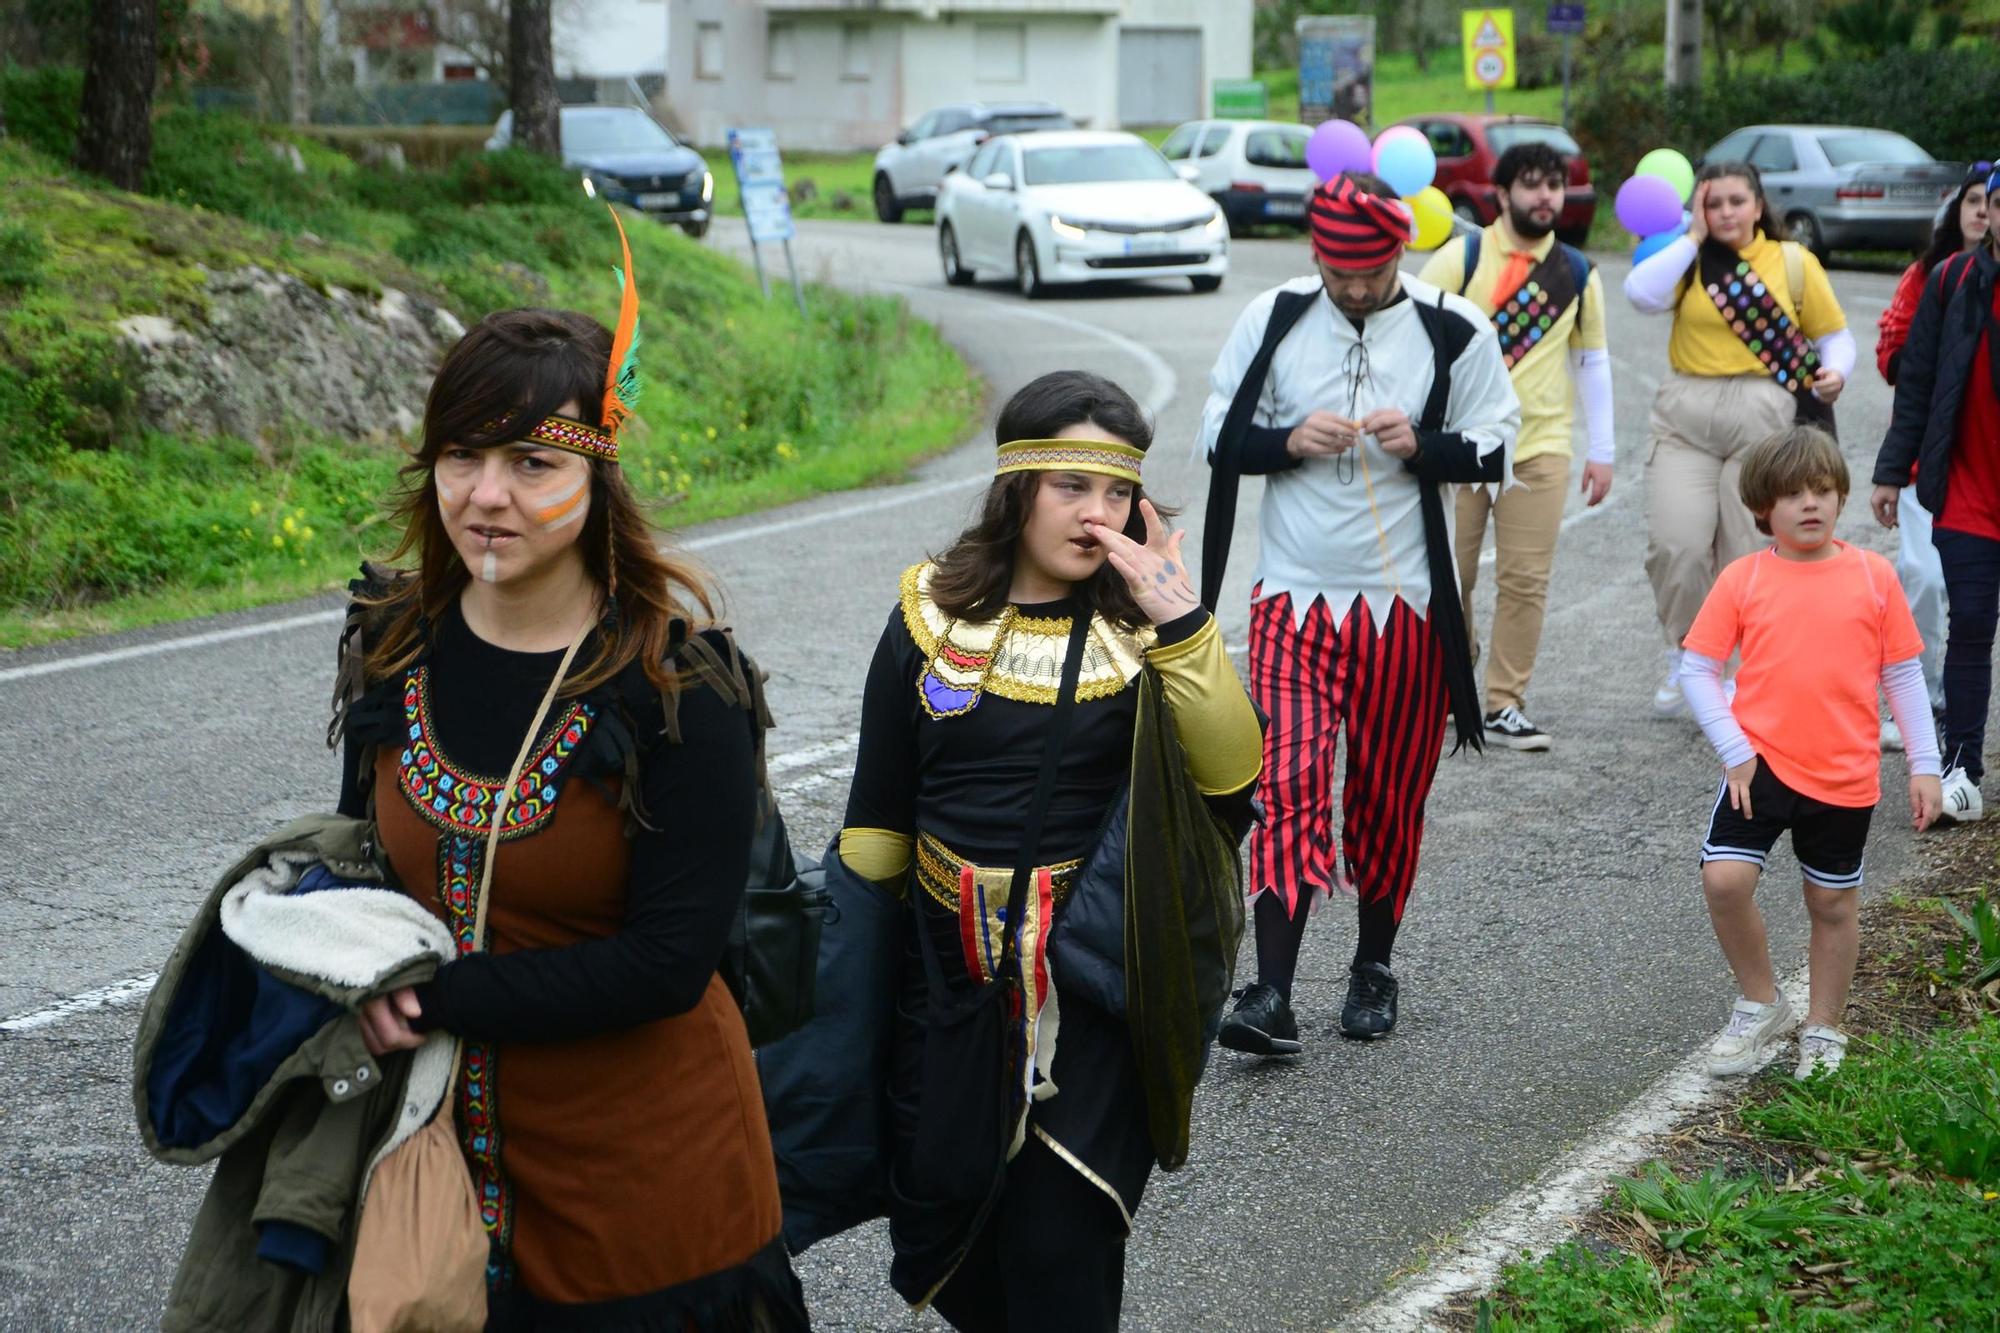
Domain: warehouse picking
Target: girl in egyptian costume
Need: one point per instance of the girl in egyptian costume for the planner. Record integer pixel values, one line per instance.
(1117, 840)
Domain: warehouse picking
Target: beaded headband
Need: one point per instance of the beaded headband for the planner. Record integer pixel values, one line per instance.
(1107, 457)
(621, 381)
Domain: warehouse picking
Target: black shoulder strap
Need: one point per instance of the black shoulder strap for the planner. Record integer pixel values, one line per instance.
(1471, 260)
(1045, 781)
(1226, 465)
(1579, 270)
(1448, 339)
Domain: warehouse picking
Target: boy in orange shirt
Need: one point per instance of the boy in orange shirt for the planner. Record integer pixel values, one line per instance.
(1821, 625)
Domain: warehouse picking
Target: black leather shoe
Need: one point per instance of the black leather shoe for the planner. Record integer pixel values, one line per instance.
(1370, 1011)
(1261, 1023)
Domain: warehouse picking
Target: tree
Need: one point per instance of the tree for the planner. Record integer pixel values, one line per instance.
(114, 135)
(531, 65)
(484, 30)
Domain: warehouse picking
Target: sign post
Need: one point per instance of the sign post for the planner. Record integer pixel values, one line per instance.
(1336, 68)
(767, 209)
(1567, 20)
(1489, 50)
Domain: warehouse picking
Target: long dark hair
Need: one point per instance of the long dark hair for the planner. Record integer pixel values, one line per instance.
(974, 573)
(514, 368)
(1948, 237)
(1767, 217)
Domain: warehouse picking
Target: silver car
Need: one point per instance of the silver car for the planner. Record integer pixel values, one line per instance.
(907, 172)
(1845, 187)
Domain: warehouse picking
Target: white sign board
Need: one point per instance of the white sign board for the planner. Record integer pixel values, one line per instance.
(760, 180)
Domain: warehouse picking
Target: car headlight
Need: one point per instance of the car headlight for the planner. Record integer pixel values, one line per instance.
(1066, 230)
(707, 186)
(589, 186)
(1216, 224)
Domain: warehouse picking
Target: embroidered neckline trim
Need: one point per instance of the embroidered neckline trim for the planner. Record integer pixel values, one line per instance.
(461, 802)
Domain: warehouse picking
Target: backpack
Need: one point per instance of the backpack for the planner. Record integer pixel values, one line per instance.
(1579, 267)
(770, 961)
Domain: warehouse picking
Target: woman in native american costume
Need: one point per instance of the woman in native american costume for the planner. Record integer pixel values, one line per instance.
(1055, 760)
(607, 1102)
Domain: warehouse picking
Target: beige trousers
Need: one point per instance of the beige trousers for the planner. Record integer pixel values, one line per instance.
(1526, 519)
(1695, 518)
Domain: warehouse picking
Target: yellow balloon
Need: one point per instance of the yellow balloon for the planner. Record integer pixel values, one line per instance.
(1432, 210)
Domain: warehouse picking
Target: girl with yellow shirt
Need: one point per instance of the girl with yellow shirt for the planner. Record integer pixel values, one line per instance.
(1758, 342)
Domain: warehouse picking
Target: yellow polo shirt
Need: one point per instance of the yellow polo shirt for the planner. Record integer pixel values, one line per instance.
(1541, 378)
(1702, 344)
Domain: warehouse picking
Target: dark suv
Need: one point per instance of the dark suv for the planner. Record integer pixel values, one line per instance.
(907, 172)
(1467, 146)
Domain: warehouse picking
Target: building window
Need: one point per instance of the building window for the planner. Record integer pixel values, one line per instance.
(781, 50)
(1000, 52)
(856, 57)
(708, 51)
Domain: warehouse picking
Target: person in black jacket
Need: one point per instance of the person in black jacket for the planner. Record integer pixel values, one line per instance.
(1945, 432)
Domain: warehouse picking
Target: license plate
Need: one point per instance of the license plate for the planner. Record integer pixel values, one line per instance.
(1284, 208)
(1150, 243)
(669, 200)
(1913, 192)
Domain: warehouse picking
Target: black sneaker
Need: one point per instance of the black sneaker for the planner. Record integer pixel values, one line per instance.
(1261, 1023)
(1370, 1011)
(1508, 727)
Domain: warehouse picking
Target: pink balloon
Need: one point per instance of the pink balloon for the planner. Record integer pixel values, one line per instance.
(1395, 132)
(1337, 146)
(1648, 205)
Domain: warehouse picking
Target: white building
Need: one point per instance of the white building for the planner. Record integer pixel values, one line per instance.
(845, 74)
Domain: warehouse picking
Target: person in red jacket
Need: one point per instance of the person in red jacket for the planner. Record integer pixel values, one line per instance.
(1961, 225)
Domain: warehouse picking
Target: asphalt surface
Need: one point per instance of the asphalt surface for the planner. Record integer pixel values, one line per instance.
(1556, 957)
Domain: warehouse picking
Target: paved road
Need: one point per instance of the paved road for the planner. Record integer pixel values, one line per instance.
(1556, 957)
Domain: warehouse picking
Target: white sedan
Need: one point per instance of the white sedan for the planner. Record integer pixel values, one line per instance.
(1076, 206)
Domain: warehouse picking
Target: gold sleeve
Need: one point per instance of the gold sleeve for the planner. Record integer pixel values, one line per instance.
(1218, 727)
(876, 853)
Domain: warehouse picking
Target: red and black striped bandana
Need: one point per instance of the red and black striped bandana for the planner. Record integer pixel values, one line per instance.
(1352, 229)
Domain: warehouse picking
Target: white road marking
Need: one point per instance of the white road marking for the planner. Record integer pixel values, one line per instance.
(116, 995)
(1539, 1216)
(186, 641)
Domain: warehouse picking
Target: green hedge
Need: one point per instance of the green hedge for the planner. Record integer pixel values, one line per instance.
(1941, 99)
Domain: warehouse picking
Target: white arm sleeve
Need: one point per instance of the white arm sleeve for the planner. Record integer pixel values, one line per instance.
(1910, 705)
(1652, 286)
(1592, 371)
(1836, 352)
(1701, 682)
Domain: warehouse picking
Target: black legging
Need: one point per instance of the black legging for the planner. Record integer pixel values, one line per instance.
(1279, 938)
(1972, 591)
(1051, 1259)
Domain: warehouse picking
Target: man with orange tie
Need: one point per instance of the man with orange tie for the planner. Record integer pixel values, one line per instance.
(1548, 307)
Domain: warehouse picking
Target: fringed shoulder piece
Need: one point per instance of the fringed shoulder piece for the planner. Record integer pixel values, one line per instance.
(350, 677)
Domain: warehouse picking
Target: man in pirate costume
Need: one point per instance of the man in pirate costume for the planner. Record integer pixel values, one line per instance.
(1360, 395)
(980, 758)
(1547, 306)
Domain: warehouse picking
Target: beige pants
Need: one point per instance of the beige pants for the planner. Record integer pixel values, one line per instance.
(1526, 519)
(1695, 518)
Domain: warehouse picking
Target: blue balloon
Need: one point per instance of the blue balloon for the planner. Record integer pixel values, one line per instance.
(1657, 242)
(1407, 162)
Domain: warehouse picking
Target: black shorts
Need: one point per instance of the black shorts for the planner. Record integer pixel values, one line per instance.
(1828, 839)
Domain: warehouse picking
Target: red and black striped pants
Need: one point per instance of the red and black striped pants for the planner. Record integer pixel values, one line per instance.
(1385, 688)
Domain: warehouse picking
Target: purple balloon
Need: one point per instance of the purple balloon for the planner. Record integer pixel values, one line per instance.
(1337, 146)
(1648, 205)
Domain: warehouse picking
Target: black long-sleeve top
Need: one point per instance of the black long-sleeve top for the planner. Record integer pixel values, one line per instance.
(687, 871)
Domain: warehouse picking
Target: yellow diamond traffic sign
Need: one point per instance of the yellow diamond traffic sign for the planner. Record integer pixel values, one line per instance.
(1489, 48)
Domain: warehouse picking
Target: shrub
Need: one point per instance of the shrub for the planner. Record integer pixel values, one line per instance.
(23, 251)
(42, 106)
(510, 176)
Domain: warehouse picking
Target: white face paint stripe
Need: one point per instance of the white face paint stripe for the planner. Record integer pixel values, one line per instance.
(489, 568)
(564, 508)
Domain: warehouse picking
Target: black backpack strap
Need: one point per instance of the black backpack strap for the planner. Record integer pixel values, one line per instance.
(1579, 271)
(1471, 259)
(1226, 464)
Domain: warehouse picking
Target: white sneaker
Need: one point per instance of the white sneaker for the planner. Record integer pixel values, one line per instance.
(1892, 735)
(1821, 1049)
(1753, 1029)
(1668, 701)
(1961, 799)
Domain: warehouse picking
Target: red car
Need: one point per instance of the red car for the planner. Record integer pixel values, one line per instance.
(1467, 146)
